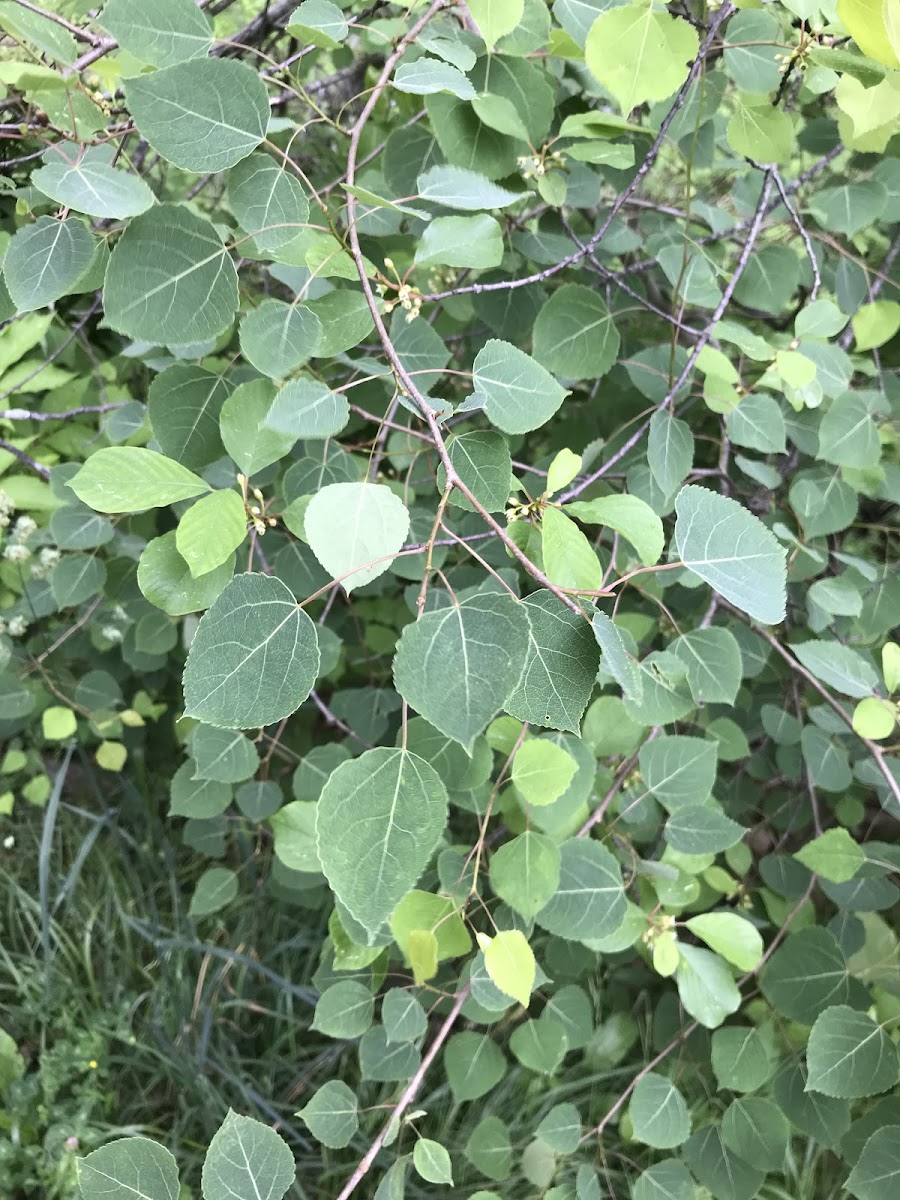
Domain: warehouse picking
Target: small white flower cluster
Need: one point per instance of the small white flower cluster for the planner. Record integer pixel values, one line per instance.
(16, 626)
(15, 550)
(533, 166)
(6, 508)
(47, 559)
(408, 298)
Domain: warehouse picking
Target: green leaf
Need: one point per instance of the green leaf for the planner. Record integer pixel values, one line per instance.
(838, 666)
(432, 1161)
(215, 889)
(639, 54)
(510, 963)
(848, 436)
(750, 60)
(713, 663)
(482, 461)
(76, 578)
(277, 337)
(756, 1130)
(718, 1169)
(210, 531)
(834, 855)
(524, 872)
(517, 394)
(706, 986)
(658, 1113)
(872, 718)
(174, 32)
(166, 580)
(332, 1114)
(427, 75)
(539, 1045)
(670, 451)
(740, 1059)
(590, 900)
(457, 666)
(730, 935)
(760, 131)
(184, 403)
(475, 242)
(254, 657)
(679, 771)
(51, 39)
(569, 559)
(45, 260)
(849, 1056)
(378, 821)
(496, 18)
(130, 1168)
(806, 974)
(758, 424)
(130, 478)
(356, 530)
(294, 827)
(617, 658)
(251, 442)
(474, 1065)
(305, 408)
(489, 1150)
(319, 22)
(702, 829)
(170, 279)
(222, 754)
(267, 201)
(344, 1010)
(666, 1180)
(877, 1172)
(403, 1016)
(58, 723)
(560, 1129)
(500, 113)
(630, 516)
(247, 1160)
(203, 115)
(875, 324)
(732, 551)
(575, 335)
(86, 181)
(560, 666)
(867, 23)
(419, 912)
(458, 187)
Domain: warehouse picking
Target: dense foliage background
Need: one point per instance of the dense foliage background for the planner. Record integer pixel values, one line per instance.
(448, 483)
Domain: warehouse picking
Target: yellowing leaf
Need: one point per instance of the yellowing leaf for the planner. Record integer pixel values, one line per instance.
(639, 54)
(866, 22)
(510, 963)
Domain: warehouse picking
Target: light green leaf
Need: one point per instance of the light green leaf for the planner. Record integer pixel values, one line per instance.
(51, 39)
(319, 22)
(839, 666)
(761, 131)
(222, 754)
(659, 1114)
(848, 436)
(872, 718)
(730, 935)
(248, 438)
(518, 395)
(305, 408)
(510, 963)
(630, 516)
(590, 900)
(458, 187)
(344, 1010)
(45, 260)
(267, 201)
(130, 1168)
(877, 1172)
(876, 323)
(432, 1161)
(332, 1114)
(541, 771)
(356, 530)
(210, 531)
(834, 855)
(562, 470)
(277, 337)
(560, 666)
(475, 242)
(496, 18)
(378, 821)
(702, 829)
(500, 113)
(670, 451)
(174, 32)
(215, 889)
(427, 75)
(639, 54)
(713, 663)
(424, 912)
(524, 872)
(203, 115)
(706, 986)
(294, 829)
(86, 181)
(130, 478)
(575, 335)
(867, 23)
(170, 279)
(569, 559)
(457, 666)
(849, 1056)
(254, 657)
(165, 579)
(732, 551)
(247, 1160)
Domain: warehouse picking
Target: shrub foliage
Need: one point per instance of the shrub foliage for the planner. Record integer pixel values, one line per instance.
(457, 443)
